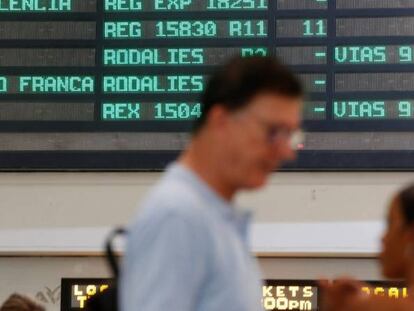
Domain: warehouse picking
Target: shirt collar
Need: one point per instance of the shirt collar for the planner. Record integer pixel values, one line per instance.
(226, 210)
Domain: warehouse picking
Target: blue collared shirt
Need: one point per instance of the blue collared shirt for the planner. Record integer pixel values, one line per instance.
(187, 251)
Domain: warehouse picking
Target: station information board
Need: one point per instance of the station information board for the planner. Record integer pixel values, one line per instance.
(276, 294)
(115, 84)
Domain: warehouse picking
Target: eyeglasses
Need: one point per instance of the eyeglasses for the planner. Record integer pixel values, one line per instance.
(275, 134)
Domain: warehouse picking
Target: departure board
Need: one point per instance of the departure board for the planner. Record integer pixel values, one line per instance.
(116, 84)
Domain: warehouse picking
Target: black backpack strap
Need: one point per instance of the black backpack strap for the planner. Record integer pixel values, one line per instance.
(112, 261)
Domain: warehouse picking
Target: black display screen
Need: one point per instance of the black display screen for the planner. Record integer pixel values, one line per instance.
(276, 294)
(115, 84)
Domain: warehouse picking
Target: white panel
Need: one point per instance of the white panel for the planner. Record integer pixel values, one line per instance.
(288, 239)
(50, 200)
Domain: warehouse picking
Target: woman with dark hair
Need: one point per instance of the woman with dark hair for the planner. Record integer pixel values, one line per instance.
(397, 262)
(18, 302)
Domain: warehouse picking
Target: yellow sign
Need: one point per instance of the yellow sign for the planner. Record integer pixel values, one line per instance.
(391, 292)
(292, 297)
(81, 293)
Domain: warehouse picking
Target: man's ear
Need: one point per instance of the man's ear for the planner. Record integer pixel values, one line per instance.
(408, 240)
(218, 117)
(409, 236)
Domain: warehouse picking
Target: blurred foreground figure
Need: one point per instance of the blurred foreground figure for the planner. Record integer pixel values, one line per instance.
(397, 261)
(187, 249)
(18, 302)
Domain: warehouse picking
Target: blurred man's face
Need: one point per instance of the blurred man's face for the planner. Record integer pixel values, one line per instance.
(258, 138)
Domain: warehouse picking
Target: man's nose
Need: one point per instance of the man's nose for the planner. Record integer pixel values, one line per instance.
(284, 152)
(290, 153)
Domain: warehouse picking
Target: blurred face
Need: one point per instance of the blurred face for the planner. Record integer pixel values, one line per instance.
(257, 139)
(394, 243)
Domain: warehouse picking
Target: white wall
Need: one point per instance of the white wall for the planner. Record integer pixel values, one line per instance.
(36, 200)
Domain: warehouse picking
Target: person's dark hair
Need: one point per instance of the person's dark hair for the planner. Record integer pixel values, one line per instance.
(406, 198)
(18, 302)
(234, 84)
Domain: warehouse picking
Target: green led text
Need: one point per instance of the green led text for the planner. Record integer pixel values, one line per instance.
(122, 30)
(152, 84)
(372, 54)
(361, 54)
(163, 5)
(177, 111)
(35, 5)
(243, 28)
(121, 111)
(236, 4)
(3, 85)
(56, 84)
(183, 5)
(186, 29)
(123, 5)
(405, 54)
(314, 28)
(405, 109)
(246, 52)
(372, 109)
(356, 109)
(174, 56)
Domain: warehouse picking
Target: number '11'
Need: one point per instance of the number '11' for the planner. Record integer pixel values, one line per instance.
(314, 27)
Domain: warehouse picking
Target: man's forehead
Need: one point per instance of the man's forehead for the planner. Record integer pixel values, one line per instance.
(274, 102)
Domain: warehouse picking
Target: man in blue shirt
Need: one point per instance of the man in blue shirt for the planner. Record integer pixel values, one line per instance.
(187, 250)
